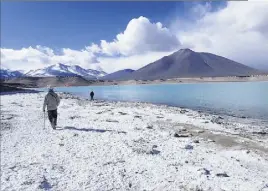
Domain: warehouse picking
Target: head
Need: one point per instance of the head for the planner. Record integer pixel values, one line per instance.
(50, 89)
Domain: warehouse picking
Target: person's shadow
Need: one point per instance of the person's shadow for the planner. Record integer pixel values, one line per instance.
(89, 130)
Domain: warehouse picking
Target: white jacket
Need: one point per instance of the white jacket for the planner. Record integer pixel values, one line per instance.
(52, 101)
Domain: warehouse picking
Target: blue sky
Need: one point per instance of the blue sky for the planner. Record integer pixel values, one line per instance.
(130, 34)
(77, 24)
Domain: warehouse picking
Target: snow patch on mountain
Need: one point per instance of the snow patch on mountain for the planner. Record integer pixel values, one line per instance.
(6, 73)
(66, 70)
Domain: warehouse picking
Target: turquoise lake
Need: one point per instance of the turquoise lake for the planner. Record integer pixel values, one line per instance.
(239, 99)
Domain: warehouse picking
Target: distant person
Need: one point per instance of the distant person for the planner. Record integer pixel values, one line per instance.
(52, 102)
(91, 95)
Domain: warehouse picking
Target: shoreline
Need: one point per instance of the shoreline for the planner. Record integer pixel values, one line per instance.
(204, 111)
(195, 80)
(213, 117)
(8, 90)
(103, 145)
(199, 110)
(31, 82)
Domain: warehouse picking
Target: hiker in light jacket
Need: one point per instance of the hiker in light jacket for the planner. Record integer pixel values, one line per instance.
(52, 102)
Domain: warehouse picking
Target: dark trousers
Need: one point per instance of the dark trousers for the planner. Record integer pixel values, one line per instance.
(52, 116)
(92, 98)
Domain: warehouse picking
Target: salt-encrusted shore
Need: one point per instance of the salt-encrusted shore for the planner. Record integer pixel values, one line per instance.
(127, 146)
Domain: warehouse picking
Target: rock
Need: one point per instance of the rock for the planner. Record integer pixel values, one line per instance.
(183, 111)
(211, 141)
(137, 128)
(154, 152)
(189, 147)
(122, 113)
(205, 171)
(260, 132)
(200, 131)
(206, 122)
(75, 135)
(222, 175)
(112, 121)
(149, 127)
(186, 162)
(217, 120)
(180, 129)
(196, 141)
(137, 116)
(45, 185)
(61, 144)
(248, 152)
(73, 117)
(182, 135)
(159, 117)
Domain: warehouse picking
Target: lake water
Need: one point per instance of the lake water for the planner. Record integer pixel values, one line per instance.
(239, 99)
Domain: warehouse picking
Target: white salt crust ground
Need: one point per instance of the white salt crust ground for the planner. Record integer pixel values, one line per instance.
(125, 146)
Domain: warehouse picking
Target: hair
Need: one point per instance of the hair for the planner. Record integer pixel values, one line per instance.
(50, 88)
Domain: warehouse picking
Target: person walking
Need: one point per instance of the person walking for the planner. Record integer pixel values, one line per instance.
(52, 102)
(92, 95)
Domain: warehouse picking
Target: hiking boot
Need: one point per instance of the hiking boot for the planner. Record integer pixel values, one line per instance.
(53, 125)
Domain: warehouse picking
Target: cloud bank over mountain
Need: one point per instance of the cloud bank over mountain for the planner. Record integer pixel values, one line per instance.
(238, 31)
(141, 36)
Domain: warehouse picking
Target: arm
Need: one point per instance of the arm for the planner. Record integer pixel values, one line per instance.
(58, 100)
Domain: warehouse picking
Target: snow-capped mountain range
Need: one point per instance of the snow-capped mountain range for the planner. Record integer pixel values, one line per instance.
(6, 73)
(55, 70)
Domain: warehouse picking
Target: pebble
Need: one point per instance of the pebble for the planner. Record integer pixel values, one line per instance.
(149, 127)
(260, 132)
(210, 140)
(222, 175)
(182, 135)
(189, 147)
(200, 131)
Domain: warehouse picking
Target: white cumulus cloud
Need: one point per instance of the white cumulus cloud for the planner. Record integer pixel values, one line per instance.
(139, 37)
(239, 31)
(38, 57)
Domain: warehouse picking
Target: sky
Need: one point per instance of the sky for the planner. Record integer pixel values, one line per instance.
(111, 36)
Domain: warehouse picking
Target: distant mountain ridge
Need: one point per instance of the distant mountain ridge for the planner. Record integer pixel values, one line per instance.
(6, 73)
(183, 63)
(66, 70)
(35, 82)
(55, 70)
(118, 75)
(187, 63)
